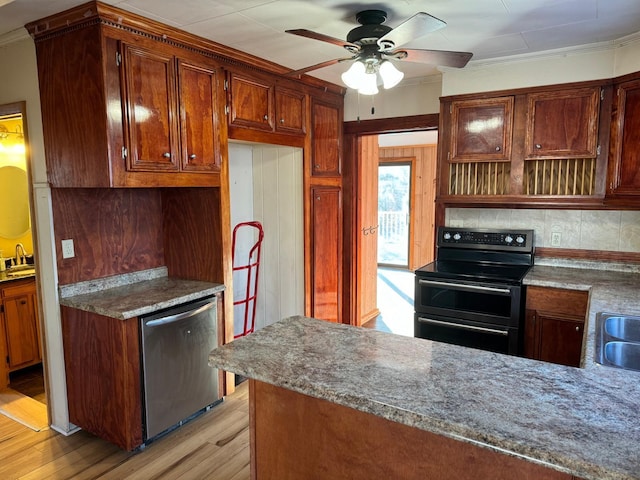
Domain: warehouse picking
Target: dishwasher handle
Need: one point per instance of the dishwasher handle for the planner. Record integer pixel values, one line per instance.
(179, 316)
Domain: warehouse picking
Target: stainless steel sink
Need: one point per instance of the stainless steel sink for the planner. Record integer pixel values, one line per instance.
(618, 340)
(623, 354)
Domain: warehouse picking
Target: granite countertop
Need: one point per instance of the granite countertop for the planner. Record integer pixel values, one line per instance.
(579, 421)
(610, 290)
(131, 295)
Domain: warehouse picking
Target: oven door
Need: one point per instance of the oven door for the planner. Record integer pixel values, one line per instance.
(495, 304)
(467, 333)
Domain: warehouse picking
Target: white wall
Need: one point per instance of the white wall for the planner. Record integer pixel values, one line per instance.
(20, 83)
(266, 186)
(410, 97)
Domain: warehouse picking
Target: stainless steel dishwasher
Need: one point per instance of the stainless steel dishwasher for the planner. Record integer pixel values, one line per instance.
(177, 379)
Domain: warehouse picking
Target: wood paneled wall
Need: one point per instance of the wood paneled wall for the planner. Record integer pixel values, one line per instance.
(422, 235)
(114, 231)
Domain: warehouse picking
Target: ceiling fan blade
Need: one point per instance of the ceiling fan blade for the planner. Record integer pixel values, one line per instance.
(352, 47)
(434, 57)
(416, 26)
(297, 73)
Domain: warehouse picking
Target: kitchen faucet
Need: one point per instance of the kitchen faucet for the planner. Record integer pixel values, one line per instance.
(20, 259)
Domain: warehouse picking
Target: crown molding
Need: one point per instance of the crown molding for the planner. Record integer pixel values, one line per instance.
(14, 36)
(610, 45)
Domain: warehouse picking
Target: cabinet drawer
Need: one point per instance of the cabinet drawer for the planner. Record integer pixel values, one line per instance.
(558, 300)
(17, 289)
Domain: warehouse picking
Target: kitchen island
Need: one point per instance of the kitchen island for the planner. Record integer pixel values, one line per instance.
(335, 401)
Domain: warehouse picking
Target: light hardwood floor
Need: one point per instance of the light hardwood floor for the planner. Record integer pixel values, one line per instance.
(213, 446)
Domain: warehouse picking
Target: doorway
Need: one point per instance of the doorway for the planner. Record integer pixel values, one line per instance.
(22, 388)
(266, 185)
(394, 210)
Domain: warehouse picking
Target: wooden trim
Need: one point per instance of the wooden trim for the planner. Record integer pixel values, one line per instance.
(527, 90)
(392, 125)
(598, 255)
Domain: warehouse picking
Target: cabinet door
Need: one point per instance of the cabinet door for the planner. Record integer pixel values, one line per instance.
(560, 339)
(481, 129)
(290, 111)
(199, 130)
(251, 102)
(151, 119)
(563, 124)
(326, 253)
(624, 164)
(21, 328)
(326, 136)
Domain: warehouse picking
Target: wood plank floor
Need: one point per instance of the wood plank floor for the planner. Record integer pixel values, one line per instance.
(212, 446)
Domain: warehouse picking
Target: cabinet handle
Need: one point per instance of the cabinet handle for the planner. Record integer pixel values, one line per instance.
(166, 155)
(498, 149)
(538, 145)
(192, 156)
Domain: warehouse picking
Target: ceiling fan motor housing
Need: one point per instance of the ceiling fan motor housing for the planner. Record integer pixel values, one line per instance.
(371, 26)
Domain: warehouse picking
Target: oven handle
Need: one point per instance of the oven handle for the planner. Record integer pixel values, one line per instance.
(462, 326)
(461, 286)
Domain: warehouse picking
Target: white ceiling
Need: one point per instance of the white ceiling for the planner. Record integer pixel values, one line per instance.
(487, 28)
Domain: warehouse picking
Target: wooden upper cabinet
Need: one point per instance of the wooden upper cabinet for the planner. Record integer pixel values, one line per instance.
(149, 92)
(121, 109)
(326, 126)
(481, 129)
(624, 160)
(291, 108)
(199, 123)
(171, 113)
(250, 100)
(563, 124)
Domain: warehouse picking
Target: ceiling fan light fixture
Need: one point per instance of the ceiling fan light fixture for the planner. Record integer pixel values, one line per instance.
(369, 84)
(391, 76)
(354, 77)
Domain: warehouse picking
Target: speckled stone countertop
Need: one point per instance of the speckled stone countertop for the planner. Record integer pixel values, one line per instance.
(611, 290)
(579, 421)
(131, 295)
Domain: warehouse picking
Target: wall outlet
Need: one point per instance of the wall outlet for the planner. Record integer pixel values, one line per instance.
(67, 249)
(556, 239)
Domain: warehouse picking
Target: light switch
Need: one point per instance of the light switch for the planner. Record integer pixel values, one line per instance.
(67, 248)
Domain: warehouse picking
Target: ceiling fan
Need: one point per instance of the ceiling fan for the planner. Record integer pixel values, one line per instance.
(372, 45)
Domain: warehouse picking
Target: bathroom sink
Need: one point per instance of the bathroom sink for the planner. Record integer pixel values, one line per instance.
(21, 272)
(623, 354)
(618, 340)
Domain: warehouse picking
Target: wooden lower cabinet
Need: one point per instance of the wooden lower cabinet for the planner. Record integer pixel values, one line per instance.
(554, 325)
(295, 436)
(20, 324)
(102, 366)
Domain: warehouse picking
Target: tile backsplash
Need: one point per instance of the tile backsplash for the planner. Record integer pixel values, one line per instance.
(612, 230)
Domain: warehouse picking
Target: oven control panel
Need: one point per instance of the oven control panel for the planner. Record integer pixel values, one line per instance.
(519, 240)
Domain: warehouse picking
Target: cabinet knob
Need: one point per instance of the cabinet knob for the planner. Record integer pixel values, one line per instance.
(166, 155)
(577, 329)
(538, 145)
(266, 117)
(192, 156)
(317, 165)
(498, 149)
(282, 121)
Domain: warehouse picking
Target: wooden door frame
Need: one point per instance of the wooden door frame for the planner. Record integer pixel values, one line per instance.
(352, 131)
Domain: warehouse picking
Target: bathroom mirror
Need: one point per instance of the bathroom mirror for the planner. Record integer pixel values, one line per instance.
(14, 202)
